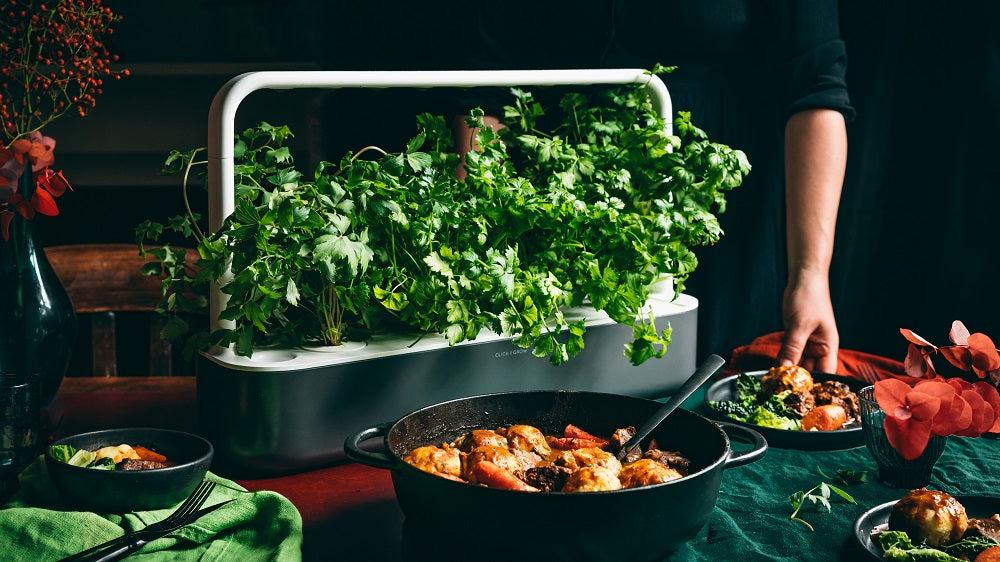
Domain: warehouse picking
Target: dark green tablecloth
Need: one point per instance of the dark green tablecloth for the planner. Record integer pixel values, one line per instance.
(751, 517)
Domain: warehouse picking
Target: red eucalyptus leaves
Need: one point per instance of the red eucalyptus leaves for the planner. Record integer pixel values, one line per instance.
(935, 405)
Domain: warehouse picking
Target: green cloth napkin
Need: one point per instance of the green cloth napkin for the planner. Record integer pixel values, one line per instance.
(36, 525)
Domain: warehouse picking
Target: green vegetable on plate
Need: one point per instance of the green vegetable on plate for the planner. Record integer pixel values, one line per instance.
(897, 545)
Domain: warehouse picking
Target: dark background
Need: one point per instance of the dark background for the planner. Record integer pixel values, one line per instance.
(917, 241)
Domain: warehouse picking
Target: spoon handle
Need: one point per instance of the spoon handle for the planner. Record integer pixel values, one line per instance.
(705, 370)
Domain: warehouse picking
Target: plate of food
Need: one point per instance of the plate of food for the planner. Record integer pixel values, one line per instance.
(791, 407)
(931, 525)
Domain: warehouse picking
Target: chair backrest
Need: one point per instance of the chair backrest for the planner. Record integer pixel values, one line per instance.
(103, 280)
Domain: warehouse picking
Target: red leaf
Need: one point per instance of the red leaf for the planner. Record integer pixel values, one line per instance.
(992, 397)
(891, 394)
(982, 415)
(923, 406)
(5, 218)
(959, 385)
(916, 363)
(955, 413)
(914, 338)
(22, 206)
(957, 355)
(984, 354)
(959, 333)
(20, 148)
(43, 202)
(53, 182)
(908, 437)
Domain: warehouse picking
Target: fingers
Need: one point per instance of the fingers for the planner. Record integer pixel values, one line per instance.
(813, 351)
(792, 347)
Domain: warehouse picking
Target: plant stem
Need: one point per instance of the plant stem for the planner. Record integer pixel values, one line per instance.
(184, 193)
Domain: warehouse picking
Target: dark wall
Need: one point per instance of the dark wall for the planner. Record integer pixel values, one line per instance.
(917, 239)
(917, 243)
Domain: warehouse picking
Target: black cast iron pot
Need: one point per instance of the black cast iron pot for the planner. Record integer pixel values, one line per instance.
(448, 520)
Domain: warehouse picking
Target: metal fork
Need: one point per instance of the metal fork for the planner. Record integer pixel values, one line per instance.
(868, 373)
(174, 521)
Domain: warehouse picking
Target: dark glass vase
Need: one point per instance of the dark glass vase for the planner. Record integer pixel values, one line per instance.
(37, 322)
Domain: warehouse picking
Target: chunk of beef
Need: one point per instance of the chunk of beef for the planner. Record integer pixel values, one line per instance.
(989, 528)
(618, 440)
(136, 464)
(800, 402)
(669, 459)
(546, 478)
(834, 392)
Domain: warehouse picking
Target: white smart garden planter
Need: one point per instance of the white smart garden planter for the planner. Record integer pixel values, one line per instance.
(285, 409)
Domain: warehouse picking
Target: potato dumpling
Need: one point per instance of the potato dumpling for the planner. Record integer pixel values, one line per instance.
(646, 472)
(929, 515)
(436, 460)
(588, 456)
(528, 438)
(787, 377)
(116, 453)
(592, 479)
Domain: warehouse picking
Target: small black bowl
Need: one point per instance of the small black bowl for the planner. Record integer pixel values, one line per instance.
(121, 491)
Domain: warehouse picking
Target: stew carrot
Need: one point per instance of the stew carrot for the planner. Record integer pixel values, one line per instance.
(148, 454)
(495, 477)
(577, 433)
(566, 443)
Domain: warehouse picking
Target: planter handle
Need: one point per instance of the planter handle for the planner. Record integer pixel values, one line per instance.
(352, 447)
(746, 435)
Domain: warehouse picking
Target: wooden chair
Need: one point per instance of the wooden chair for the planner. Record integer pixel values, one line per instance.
(103, 280)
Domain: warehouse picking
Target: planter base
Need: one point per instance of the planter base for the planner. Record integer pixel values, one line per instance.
(290, 409)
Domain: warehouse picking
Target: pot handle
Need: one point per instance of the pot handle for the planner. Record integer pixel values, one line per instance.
(745, 434)
(378, 459)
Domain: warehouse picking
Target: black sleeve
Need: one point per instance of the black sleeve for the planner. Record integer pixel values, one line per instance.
(816, 59)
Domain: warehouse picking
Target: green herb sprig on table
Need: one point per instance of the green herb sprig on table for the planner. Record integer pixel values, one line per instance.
(595, 210)
(817, 498)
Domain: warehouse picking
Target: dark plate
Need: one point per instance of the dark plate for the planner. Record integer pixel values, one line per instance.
(877, 518)
(725, 389)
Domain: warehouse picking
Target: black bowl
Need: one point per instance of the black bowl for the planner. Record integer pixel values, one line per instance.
(121, 491)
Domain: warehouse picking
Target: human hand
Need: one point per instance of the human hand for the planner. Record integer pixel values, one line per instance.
(465, 138)
(811, 338)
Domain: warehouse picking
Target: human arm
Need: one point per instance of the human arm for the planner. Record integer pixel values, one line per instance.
(815, 159)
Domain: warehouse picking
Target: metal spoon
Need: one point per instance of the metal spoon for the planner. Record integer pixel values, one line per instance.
(705, 370)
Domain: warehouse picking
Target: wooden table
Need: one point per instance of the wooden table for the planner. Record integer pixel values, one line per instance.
(349, 509)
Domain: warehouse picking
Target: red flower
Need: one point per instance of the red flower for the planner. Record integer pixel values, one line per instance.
(955, 413)
(909, 416)
(36, 150)
(935, 407)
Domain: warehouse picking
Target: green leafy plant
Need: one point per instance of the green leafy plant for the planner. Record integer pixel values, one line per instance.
(594, 211)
